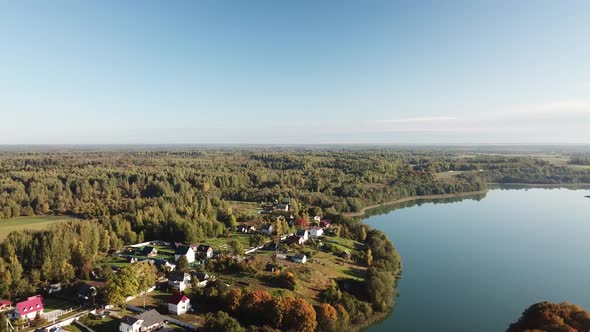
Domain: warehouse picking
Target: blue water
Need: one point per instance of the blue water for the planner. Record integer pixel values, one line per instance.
(476, 265)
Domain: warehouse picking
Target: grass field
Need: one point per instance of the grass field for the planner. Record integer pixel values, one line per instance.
(33, 223)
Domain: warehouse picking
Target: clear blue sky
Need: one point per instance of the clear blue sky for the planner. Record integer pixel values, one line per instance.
(377, 71)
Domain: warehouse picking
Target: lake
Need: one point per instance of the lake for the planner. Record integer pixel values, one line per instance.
(476, 264)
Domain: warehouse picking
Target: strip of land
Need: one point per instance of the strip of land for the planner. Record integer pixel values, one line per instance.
(412, 198)
(31, 223)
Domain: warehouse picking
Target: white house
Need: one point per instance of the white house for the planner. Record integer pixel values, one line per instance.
(179, 280)
(203, 279)
(317, 219)
(185, 251)
(316, 231)
(303, 233)
(29, 308)
(267, 229)
(205, 251)
(282, 207)
(130, 324)
(144, 322)
(179, 304)
(300, 258)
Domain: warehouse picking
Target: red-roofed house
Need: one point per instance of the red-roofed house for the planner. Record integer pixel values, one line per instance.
(179, 304)
(29, 308)
(4, 304)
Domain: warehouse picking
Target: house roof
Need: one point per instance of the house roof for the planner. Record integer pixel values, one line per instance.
(150, 318)
(202, 276)
(177, 298)
(301, 232)
(300, 256)
(32, 304)
(148, 249)
(129, 320)
(267, 226)
(203, 247)
(86, 289)
(182, 250)
(177, 276)
(5, 303)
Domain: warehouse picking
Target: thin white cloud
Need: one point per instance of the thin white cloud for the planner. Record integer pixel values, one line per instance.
(422, 119)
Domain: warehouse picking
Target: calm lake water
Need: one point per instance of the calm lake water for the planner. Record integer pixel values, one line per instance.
(476, 264)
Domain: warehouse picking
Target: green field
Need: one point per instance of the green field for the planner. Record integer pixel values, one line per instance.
(33, 223)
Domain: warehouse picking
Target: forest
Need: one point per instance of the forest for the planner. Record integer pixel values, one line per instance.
(125, 197)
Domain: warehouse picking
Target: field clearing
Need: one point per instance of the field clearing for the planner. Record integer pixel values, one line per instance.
(32, 223)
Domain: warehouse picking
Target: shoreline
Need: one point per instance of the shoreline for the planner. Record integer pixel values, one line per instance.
(363, 211)
(541, 185)
(412, 198)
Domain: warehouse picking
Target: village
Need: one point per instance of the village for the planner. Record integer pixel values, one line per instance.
(184, 268)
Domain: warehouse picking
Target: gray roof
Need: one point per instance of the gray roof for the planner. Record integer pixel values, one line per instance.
(177, 276)
(129, 320)
(300, 256)
(182, 250)
(151, 317)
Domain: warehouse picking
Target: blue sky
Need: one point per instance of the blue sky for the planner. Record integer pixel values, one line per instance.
(294, 72)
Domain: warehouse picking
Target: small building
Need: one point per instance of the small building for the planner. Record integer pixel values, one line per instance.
(203, 279)
(267, 229)
(130, 324)
(179, 280)
(324, 224)
(54, 288)
(164, 264)
(282, 207)
(317, 219)
(152, 320)
(304, 233)
(86, 292)
(179, 304)
(144, 322)
(295, 239)
(316, 231)
(186, 251)
(300, 258)
(29, 308)
(149, 251)
(205, 251)
(5, 305)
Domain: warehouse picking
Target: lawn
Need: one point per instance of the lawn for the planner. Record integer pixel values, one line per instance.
(107, 324)
(33, 223)
(220, 243)
(52, 303)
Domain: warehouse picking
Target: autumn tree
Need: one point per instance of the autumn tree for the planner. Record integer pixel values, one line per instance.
(221, 321)
(326, 317)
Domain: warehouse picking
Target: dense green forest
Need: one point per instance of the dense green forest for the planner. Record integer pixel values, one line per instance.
(125, 197)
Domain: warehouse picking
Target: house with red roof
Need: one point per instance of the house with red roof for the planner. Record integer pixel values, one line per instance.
(179, 304)
(29, 308)
(5, 305)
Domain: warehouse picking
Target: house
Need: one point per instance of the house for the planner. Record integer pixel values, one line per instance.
(86, 292)
(316, 231)
(203, 279)
(324, 224)
(247, 229)
(5, 305)
(164, 264)
(130, 324)
(205, 251)
(29, 308)
(179, 280)
(300, 258)
(54, 288)
(179, 304)
(144, 322)
(317, 219)
(282, 207)
(185, 251)
(149, 251)
(304, 233)
(295, 239)
(267, 229)
(152, 320)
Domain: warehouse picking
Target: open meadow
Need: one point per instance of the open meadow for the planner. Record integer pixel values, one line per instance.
(32, 223)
